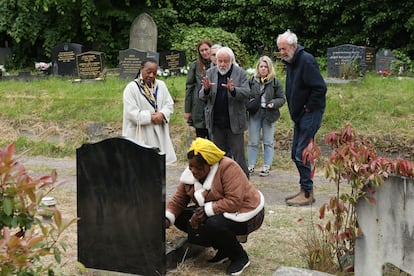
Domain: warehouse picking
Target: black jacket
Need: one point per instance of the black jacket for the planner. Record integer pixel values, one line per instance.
(305, 86)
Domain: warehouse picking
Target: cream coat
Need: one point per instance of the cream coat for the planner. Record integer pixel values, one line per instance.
(137, 123)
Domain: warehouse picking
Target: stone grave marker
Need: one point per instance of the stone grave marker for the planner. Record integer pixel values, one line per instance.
(173, 60)
(346, 61)
(5, 54)
(64, 59)
(370, 58)
(143, 33)
(383, 61)
(90, 65)
(121, 207)
(130, 61)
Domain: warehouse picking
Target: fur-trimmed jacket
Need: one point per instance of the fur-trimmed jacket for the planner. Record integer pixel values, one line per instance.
(226, 190)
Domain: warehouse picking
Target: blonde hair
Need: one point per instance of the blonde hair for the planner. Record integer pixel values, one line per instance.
(271, 75)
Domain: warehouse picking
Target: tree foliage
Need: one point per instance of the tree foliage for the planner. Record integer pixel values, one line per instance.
(33, 27)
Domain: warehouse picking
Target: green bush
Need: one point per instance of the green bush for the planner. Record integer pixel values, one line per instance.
(187, 39)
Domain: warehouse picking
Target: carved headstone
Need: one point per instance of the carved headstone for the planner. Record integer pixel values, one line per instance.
(143, 33)
(346, 60)
(370, 58)
(64, 59)
(90, 65)
(121, 206)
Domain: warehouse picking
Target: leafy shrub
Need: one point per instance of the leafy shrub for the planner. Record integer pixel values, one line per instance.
(24, 238)
(354, 161)
(187, 39)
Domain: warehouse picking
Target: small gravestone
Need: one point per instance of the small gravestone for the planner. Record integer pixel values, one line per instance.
(64, 59)
(370, 58)
(346, 61)
(90, 65)
(121, 207)
(172, 60)
(143, 33)
(5, 54)
(383, 61)
(130, 61)
(265, 51)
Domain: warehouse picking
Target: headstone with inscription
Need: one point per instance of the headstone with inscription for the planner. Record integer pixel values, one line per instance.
(143, 33)
(383, 61)
(345, 61)
(121, 207)
(90, 65)
(130, 61)
(173, 60)
(64, 59)
(370, 58)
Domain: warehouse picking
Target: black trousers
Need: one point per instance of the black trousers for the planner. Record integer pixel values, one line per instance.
(216, 231)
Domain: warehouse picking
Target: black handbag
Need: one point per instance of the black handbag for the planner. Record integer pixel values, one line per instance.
(253, 105)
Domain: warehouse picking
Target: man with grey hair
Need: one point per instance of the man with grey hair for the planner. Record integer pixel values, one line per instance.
(225, 88)
(306, 98)
(213, 51)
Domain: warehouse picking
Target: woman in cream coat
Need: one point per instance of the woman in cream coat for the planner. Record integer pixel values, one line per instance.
(148, 106)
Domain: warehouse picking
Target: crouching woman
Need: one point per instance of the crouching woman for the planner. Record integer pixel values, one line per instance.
(214, 203)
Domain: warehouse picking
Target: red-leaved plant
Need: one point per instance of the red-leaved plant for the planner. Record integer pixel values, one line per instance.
(353, 161)
(24, 238)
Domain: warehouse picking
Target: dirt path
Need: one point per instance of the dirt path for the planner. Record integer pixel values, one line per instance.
(275, 187)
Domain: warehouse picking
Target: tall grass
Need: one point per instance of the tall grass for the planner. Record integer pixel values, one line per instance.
(374, 106)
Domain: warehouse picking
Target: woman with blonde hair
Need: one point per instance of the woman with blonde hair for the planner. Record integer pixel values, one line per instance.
(264, 84)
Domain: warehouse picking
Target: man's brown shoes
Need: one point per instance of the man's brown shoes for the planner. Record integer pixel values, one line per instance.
(300, 199)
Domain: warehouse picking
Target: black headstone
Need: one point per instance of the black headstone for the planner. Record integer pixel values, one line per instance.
(121, 206)
(90, 65)
(383, 61)
(64, 59)
(370, 58)
(130, 62)
(343, 56)
(5, 54)
(173, 60)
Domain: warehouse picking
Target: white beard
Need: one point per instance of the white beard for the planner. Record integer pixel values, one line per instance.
(223, 71)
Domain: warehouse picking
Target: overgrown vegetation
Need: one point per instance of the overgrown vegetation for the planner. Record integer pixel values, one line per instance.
(353, 161)
(25, 239)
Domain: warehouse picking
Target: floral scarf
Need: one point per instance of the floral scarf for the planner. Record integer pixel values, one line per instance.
(148, 91)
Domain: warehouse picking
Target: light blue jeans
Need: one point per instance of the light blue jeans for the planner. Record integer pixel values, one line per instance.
(258, 125)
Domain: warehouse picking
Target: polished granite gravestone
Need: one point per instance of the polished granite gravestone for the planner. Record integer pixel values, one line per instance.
(344, 56)
(121, 206)
(173, 60)
(90, 65)
(130, 62)
(383, 60)
(64, 59)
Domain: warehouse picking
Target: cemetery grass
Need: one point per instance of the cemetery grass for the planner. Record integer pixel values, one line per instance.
(51, 118)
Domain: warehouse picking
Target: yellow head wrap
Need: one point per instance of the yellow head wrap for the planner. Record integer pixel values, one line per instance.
(208, 150)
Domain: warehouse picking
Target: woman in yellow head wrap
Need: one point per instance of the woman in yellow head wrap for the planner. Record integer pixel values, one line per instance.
(225, 204)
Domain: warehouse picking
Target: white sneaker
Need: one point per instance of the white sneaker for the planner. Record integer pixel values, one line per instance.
(265, 171)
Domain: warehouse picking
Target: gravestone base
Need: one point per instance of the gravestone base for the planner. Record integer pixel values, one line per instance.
(181, 251)
(88, 80)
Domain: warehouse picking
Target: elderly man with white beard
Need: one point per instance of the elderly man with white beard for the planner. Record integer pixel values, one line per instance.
(225, 88)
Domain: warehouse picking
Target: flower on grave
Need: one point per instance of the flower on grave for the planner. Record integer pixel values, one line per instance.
(383, 73)
(42, 66)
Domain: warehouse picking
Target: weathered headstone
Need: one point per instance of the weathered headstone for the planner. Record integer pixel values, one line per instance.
(121, 206)
(383, 61)
(172, 60)
(90, 65)
(130, 61)
(143, 33)
(5, 54)
(346, 61)
(64, 59)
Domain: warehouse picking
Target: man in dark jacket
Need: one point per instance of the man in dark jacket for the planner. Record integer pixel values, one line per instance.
(306, 98)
